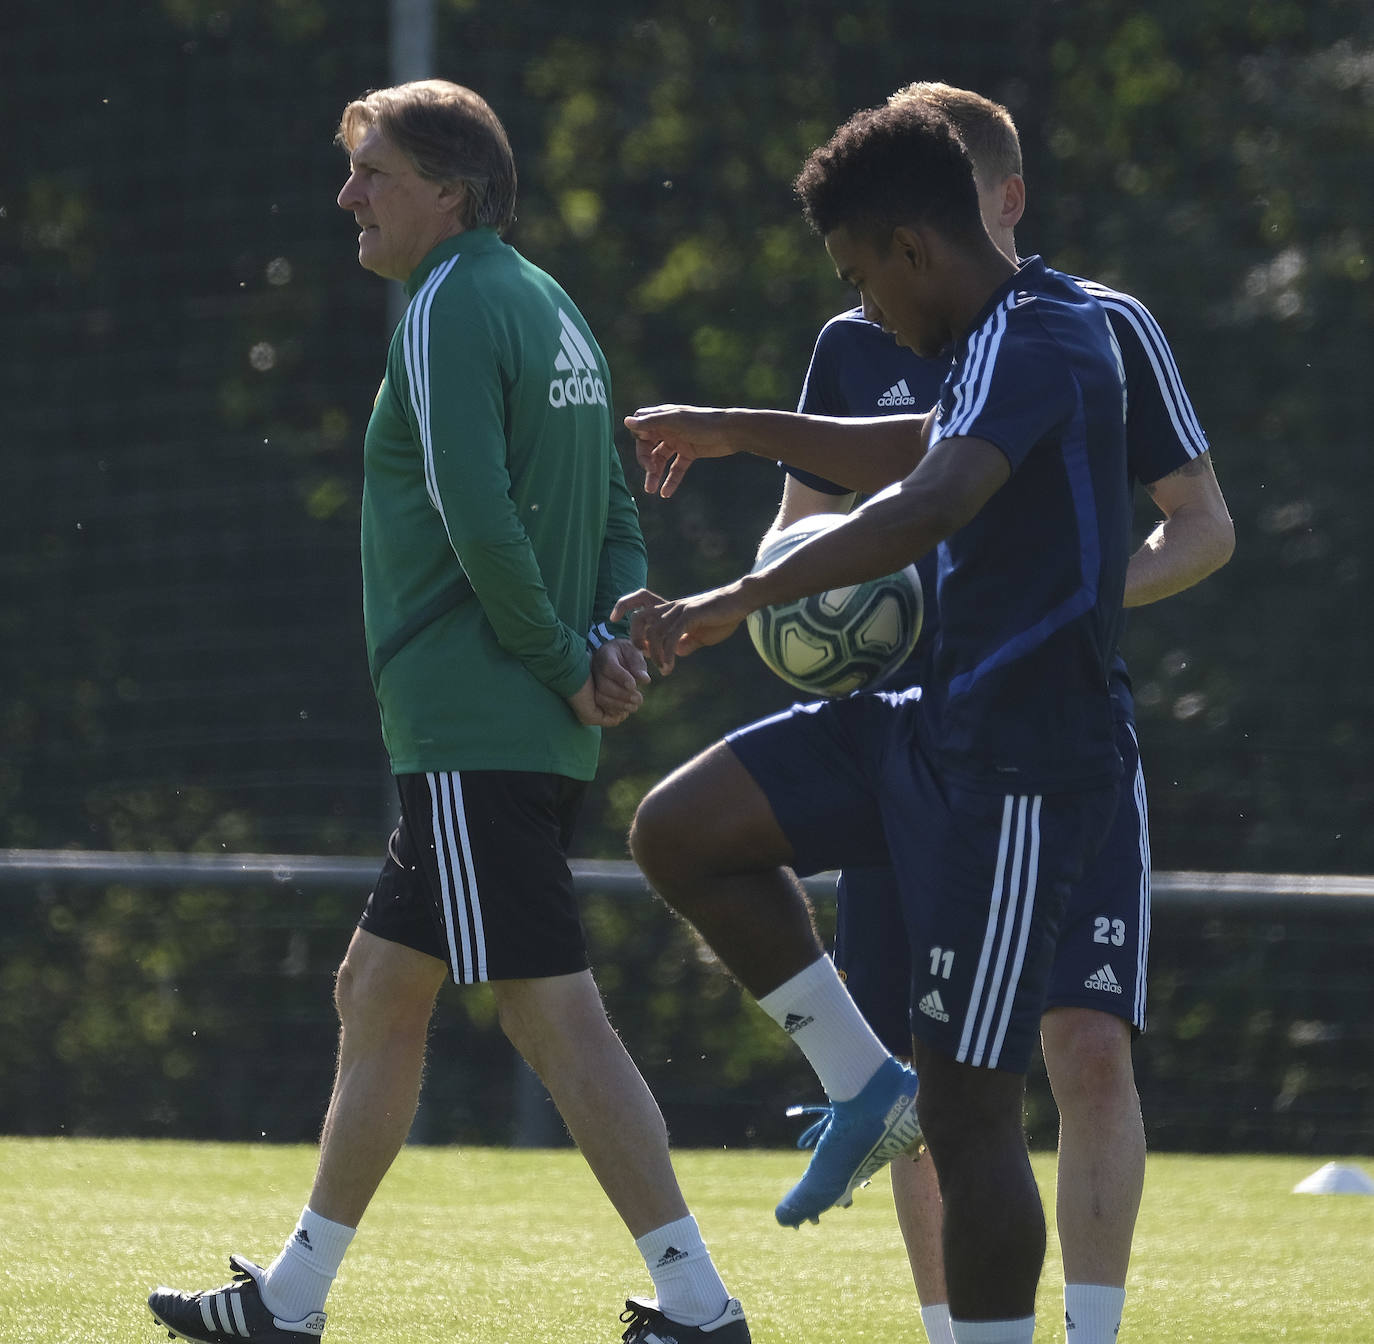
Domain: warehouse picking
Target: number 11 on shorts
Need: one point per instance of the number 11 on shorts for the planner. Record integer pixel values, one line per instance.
(941, 961)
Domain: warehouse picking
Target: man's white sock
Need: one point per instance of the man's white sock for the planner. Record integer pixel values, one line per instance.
(815, 1010)
(936, 1321)
(688, 1288)
(1020, 1331)
(297, 1282)
(1092, 1312)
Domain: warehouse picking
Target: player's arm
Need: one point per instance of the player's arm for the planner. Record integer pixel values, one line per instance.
(947, 489)
(863, 455)
(1195, 538)
(800, 500)
(1167, 448)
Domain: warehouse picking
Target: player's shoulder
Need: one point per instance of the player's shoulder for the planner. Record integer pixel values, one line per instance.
(1158, 398)
(848, 328)
(1032, 293)
(1040, 309)
(1132, 321)
(1107, 295)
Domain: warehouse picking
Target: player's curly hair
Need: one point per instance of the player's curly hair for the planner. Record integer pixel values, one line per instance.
(891, 166)
(450, 134)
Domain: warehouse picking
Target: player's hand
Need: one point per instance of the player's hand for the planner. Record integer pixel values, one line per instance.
(666, 630)
(583, 704)
(668, 439)
(618, 671)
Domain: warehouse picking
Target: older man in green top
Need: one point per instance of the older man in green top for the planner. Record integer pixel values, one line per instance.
(497, 532)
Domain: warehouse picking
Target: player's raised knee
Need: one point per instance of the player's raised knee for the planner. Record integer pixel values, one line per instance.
(661, 835)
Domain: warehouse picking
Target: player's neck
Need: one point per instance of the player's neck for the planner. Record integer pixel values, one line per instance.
(980, 273)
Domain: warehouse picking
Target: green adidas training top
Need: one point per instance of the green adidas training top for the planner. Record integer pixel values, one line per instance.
(497, 529)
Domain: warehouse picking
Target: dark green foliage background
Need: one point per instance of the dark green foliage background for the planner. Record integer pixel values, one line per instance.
(191, 354)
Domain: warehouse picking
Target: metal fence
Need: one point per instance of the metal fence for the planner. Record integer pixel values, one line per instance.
(189, 995)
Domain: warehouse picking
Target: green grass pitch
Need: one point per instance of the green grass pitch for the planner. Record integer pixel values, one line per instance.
(490, 1246)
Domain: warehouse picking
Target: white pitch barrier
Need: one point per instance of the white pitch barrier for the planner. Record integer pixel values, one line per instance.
(1335, 1178)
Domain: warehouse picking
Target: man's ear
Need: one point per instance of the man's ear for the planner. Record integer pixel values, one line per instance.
(1013, 200)
(911, 246)
(453, 196)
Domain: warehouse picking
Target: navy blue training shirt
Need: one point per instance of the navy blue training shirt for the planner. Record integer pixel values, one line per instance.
(857, 369)
(1030, 588)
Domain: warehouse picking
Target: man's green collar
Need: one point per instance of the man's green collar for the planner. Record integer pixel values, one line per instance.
(469, 241)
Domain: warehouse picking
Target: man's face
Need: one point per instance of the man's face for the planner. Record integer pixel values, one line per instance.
(894, 289)
(401, 214)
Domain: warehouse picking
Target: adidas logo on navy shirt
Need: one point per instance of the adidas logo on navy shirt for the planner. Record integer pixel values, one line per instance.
(1104, 979)
(934, 1006)
(581, 386)
(899, 394)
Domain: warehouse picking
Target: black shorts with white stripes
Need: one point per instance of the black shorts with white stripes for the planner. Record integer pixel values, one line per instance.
(477, 875)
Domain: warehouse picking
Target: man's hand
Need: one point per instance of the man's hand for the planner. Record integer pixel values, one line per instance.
(618, 671)
(584, 705)
(668, 439)
(667, 630)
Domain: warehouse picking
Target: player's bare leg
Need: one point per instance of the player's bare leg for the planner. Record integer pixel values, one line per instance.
(920, 1216)
(916, 1197)
(708, 842)
(385, 996)
(1101, 1161)
(559, 1025)
(994, 1224)
(1101, 1157)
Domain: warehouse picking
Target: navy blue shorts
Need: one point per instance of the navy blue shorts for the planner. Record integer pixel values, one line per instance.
(1103, 948)
(477, 875)
(982, 878)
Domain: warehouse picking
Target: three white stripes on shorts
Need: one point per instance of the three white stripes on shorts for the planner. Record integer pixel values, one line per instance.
(1006, 935)
(462, 908)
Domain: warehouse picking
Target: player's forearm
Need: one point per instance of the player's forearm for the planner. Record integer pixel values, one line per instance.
(801, 501)
(861, 455)
(894, 528)
(1183, 550)
(881, 538)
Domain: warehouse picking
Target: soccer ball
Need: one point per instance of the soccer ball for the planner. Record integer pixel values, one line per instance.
(840, 641)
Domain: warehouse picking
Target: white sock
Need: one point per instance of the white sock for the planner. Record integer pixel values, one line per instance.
(688, 1288)
(297, 1282)
(815, 1010)
(1092, 1312)
(1021, 1331)
(936, 1321)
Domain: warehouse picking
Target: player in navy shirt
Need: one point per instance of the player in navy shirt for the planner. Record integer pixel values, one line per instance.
(989, 796)
(1097, 991)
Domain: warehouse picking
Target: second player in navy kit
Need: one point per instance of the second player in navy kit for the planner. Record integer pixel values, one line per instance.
(1050, 738)
(1097, 989)
(857, 370)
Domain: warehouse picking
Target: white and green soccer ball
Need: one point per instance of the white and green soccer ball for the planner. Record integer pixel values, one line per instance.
(841, 641)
